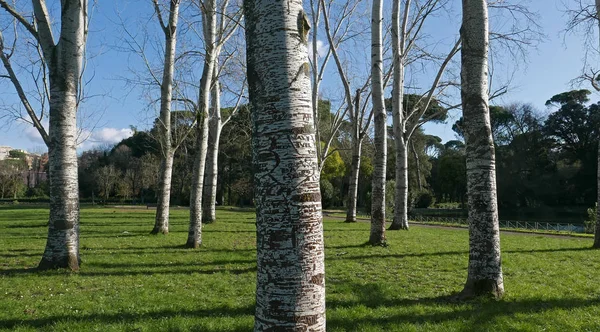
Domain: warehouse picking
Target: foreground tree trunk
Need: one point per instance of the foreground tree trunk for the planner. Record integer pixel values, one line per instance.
(377, 236)
(290, 290)
(212, 157)
(64, 65)
(485, 264)
(209, 16)
(161, 222)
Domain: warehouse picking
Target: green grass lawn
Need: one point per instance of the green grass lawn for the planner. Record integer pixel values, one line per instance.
(133, 281)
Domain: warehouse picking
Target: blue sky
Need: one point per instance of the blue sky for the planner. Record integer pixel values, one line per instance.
(549, 70)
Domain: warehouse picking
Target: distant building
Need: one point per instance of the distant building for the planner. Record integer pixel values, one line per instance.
(35, 172)
(4, 152)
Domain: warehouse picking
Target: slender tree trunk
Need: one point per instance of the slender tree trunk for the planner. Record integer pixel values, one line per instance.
(357, 139)
(400, 220)
(377, 236)
(353, 186)
(597, 232)
(161, 224)
(485, 264)
(417, 166)
(290, 290)
(401, 193)
(212, 172)
(209, 15)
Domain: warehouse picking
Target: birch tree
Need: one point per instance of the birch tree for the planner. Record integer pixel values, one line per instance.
(485, 265)
(208, 9)
(377, 236)
(228, 18)
(62, 65)
(406, 29)
(167, 144)
(290, 291)
(354, 107)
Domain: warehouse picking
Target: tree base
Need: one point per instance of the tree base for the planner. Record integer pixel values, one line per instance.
(377, 242)
(350, 220)
(191, 244)
(159, 230)
(482, 288)
(398, 227)
(69, 262)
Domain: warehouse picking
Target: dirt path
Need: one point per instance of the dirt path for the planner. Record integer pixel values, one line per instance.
(458, 228)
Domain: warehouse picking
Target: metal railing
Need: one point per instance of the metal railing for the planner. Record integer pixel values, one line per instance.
(507, 224)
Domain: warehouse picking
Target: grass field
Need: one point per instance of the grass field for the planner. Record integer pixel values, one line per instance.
(132, 281)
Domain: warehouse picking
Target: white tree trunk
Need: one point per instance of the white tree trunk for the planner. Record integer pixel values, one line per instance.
(401, 191)
(597, 232)
(400, 220)
(65, 65)
(161, 223)
(485, 265)
(354, 176)
(377, 236)
(212, 157)
(290, 290)
(209, 16)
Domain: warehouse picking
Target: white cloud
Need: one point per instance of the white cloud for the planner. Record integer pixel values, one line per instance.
(321, 48)
(102, 136)
(33, 135)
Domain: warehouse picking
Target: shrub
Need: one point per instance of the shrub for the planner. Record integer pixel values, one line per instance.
(327, 193)
(590, 222)
(423, 199)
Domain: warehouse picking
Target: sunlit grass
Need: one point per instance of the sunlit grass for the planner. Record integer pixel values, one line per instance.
(133, 281)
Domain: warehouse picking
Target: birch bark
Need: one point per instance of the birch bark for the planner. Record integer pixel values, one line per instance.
(161, 222)
(209, 15)
(64, 62)
(377, 236)
(485, 264)
(290, 291)
(215, 125)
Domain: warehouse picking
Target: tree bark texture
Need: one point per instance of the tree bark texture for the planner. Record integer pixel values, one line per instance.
(401, 190)
(485, 264)
(354, 176)
(161, 223)
(209, 16)
(377, 236)
(65, 64)
(400, 220)
(290, 290)
(212, 157)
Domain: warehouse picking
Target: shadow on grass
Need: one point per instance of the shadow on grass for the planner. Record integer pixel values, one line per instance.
(131, 317)
(125, 273)
(477, 314)
(37, 225)
(173, 264)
